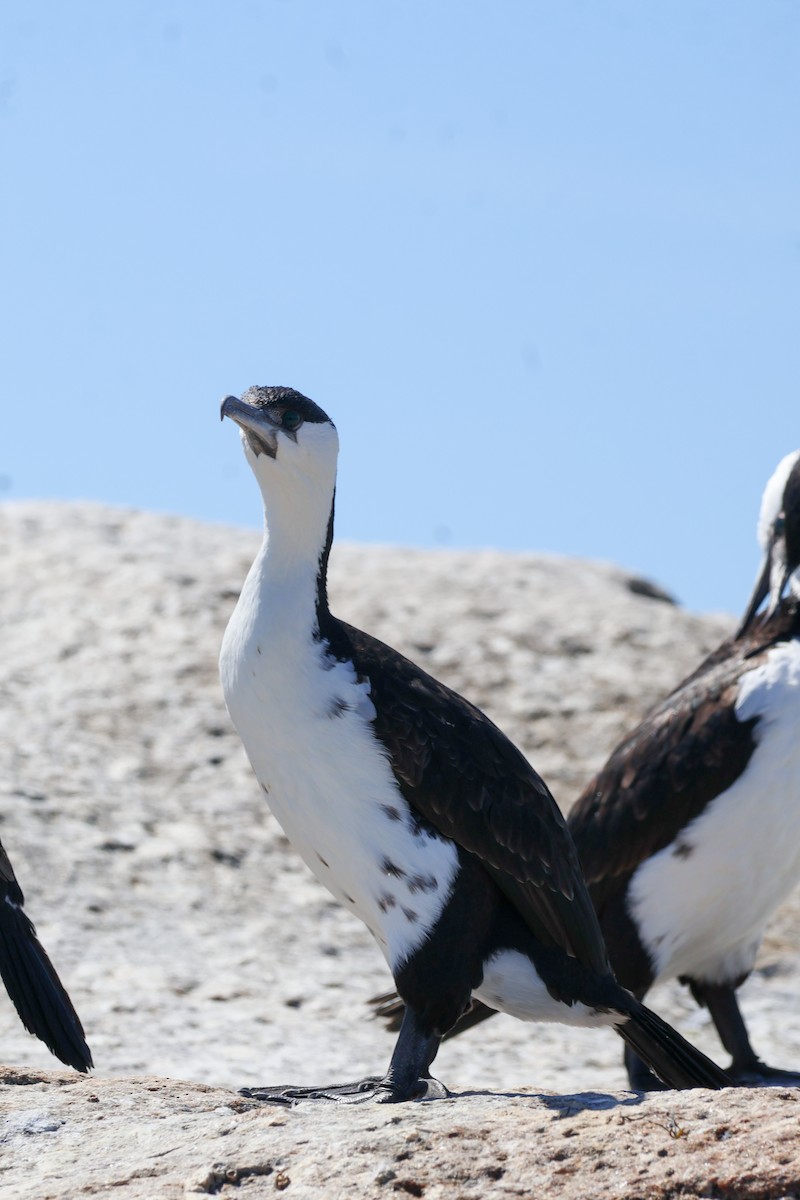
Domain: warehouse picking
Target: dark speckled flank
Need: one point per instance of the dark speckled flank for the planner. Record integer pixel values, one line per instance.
(412, 883)
(390, 868)
(423, 883)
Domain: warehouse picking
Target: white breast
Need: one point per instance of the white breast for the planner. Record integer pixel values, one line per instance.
(702, 903)
(307, 726)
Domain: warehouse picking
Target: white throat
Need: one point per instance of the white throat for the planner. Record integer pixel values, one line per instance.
(297, 488)
(307, 720)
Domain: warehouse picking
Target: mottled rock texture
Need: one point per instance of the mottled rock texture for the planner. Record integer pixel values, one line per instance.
(155, 1139)
(196, 946)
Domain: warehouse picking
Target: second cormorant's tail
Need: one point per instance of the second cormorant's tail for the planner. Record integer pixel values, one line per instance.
(31, 980)
(679, 1064)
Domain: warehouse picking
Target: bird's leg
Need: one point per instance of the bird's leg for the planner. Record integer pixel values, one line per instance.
(724, 1010)
(408, 1077)
(746, 1067)
(640, 1077)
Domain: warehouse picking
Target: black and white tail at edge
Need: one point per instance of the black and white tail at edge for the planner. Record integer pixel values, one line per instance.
(31, 981)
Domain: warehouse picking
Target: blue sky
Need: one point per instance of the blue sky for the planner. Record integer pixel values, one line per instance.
(539, 262)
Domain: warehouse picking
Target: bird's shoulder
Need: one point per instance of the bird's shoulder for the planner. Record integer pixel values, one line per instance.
(462, 775)
(445, 751)
(684, 753)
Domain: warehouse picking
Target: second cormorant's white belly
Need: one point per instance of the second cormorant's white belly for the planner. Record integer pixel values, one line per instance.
(702, 903)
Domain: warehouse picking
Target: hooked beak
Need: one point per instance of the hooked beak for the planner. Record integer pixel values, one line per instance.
(258, 428)
(773, 575)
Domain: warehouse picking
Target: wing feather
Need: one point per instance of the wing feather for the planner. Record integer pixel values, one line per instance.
(684, 753)
(463, 777)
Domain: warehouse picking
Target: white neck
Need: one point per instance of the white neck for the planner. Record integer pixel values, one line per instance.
(297, 509)
(772, 500)
(282, 584)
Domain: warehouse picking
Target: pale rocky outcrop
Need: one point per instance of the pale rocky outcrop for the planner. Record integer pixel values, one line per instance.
(156, 1139)
(197, 947)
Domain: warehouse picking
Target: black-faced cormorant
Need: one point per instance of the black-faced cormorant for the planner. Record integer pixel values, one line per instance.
(412, 808)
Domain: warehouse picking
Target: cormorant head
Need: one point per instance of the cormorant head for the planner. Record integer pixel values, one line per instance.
(779, 536)
(291, 446)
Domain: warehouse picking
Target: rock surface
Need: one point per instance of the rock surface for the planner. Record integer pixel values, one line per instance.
(156, 1139)
(196, 946)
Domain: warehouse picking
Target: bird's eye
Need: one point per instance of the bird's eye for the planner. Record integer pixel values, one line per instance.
(291, 420)
(780, 523)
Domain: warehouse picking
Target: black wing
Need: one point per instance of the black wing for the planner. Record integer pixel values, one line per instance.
(464, 777)
(31, 981)
(685, 752)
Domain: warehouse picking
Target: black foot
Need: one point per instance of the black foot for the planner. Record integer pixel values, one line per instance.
(426, 1089)
(381, 1090)
(757, 1074)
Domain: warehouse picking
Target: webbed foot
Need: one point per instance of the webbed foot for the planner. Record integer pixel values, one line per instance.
(382, 1090)
(755, 1073)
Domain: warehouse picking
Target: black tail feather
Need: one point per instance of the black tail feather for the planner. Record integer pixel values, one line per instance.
(389, 1008)
(36, 991)
(676, 1062)
(669, 1055)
